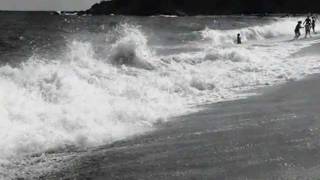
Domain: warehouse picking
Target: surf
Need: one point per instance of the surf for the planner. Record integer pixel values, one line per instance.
(97, 94)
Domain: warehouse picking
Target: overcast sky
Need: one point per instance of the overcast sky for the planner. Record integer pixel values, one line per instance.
(46, 4)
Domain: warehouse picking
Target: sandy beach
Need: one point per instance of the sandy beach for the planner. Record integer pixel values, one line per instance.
(271, 136)
(157, 98)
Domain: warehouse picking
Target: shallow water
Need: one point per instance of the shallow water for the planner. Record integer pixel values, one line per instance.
(69, 81)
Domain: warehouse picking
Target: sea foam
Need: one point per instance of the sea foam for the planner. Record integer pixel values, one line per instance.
(86, 100)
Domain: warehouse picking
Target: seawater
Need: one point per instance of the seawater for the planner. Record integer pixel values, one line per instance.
(70, 81)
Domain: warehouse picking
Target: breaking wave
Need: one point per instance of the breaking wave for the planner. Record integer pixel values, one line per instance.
(278, 28)
(88, 99)
(130, 48)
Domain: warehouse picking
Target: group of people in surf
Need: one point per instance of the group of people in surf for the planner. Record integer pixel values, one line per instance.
(309, 23)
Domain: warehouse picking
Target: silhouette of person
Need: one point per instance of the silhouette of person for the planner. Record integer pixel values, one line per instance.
(239, 39)
(297, 30)
(313, 23)
(307, 25)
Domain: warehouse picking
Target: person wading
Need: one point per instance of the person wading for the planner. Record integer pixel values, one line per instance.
(313, 23)
(307, 25)
(239, 39)
(297, 30)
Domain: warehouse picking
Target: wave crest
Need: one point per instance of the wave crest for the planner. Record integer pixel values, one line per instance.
(131, 48)
(278, 28)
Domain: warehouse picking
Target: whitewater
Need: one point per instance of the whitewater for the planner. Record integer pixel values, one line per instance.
(110, 78)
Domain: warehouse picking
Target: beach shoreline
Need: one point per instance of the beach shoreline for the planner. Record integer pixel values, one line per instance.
(269, 136)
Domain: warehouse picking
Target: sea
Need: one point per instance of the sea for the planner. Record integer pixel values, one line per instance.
(71, 83)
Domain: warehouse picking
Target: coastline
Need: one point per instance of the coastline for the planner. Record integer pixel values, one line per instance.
(227, 140)
(274, 135)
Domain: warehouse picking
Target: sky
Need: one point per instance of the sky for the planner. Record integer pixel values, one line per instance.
(24, 5)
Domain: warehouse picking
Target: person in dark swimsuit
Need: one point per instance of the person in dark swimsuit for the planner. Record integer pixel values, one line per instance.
(297, 30)
(307, 25)
(238, 39)
(313, 24)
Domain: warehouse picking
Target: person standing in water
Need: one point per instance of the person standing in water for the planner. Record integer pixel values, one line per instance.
(313, 23)
(297, 30)
(239, 39)
(307, 25)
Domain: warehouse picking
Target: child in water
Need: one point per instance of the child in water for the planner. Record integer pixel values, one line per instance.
(297, 30)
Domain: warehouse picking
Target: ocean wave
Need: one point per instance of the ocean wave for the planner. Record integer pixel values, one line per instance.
(281, 27)
(130, 48)
(85, 99)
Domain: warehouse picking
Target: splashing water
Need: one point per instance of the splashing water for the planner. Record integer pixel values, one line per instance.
(89, 98)
(276, 29)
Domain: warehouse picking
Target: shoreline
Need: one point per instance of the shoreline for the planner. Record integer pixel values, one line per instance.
(259, 137)
(197, 144)
(273, 135)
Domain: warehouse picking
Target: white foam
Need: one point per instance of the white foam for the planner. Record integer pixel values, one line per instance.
(280, 27)
(78, 101)
(84, 100)
(130, 48)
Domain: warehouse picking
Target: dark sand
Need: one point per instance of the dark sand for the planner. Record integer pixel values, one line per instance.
(272, 136)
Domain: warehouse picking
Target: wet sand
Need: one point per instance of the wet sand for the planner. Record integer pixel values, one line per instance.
(275, 135)
(272, 136)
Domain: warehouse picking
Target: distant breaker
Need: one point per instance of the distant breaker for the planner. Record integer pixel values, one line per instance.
(66, 13)
(281, 27)
(201, 7)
